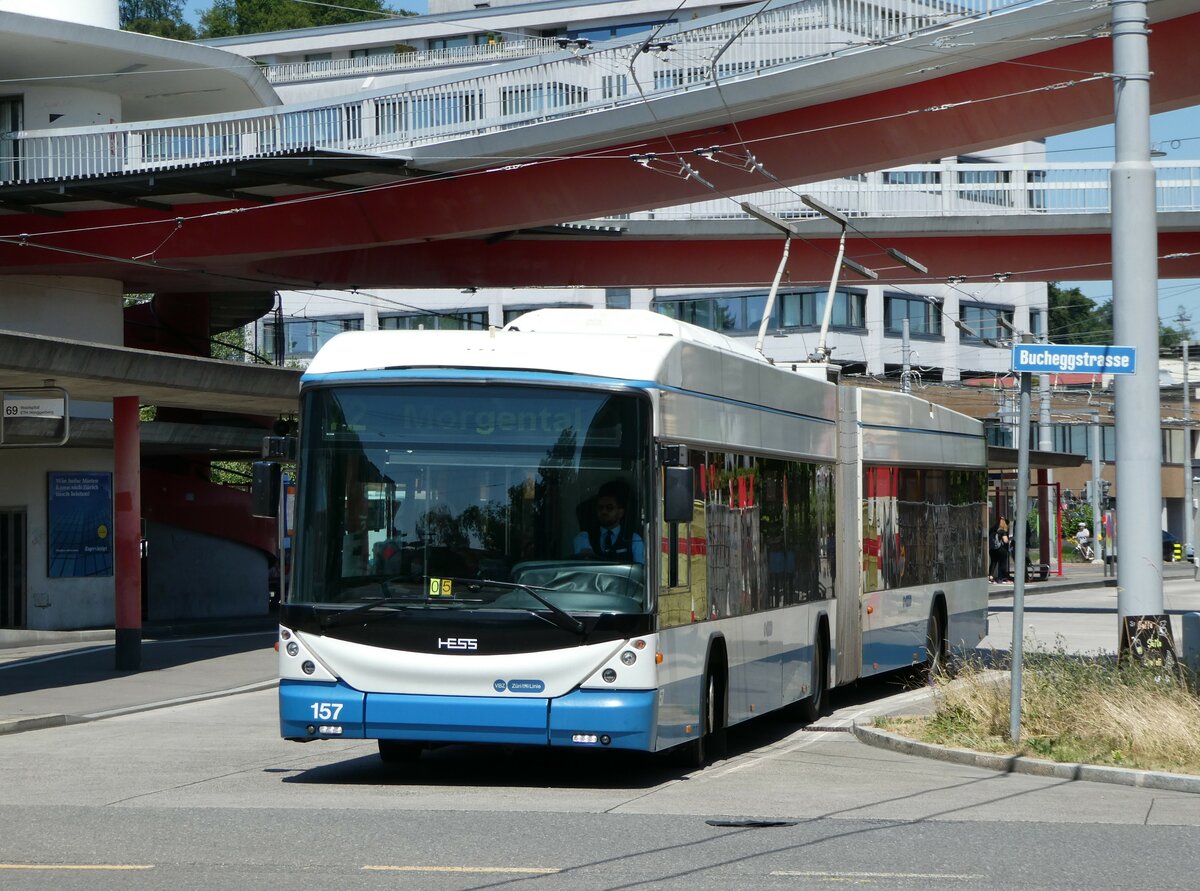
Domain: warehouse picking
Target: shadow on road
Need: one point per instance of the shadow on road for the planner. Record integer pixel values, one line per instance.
(491, 766)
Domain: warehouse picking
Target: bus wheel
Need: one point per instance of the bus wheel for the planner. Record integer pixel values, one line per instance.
(695, 755)
(398, 751)
(817, 703)
(935, 648)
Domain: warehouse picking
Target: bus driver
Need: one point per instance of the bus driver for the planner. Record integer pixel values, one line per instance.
(610, 538)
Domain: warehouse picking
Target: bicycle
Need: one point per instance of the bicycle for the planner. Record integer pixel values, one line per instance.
(1084, 550)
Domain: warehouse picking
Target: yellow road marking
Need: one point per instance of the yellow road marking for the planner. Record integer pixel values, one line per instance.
(506, 869)
(76, 866)
(874, 875)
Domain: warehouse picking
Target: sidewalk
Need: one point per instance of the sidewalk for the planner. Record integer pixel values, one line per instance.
(49, 679)
(1084, 575)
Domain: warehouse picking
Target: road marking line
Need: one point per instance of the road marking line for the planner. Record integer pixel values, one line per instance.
(534, 870)
(114, 866)
(874, 875)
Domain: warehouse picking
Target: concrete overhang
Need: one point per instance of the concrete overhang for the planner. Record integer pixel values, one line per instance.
(1004, 458)
(96, 373)
(154, 77)
(209, 441)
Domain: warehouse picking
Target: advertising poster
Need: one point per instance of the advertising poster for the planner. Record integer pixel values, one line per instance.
(80, 512)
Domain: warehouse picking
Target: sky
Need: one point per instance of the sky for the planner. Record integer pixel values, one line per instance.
(1177, 133)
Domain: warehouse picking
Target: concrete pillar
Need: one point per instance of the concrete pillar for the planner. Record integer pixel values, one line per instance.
(127, 491)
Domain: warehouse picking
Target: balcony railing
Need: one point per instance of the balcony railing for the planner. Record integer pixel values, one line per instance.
(680, 58)
(953, 189)
(385, 63)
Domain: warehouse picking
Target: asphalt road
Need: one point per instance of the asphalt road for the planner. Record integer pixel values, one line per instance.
(204, 794)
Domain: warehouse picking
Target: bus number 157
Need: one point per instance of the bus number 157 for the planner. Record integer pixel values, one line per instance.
(326, 711)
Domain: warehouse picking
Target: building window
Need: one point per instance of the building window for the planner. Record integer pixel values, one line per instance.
(1037, 323)
(988, 322)
(483, 38)
(470, 320)
(303, 337)
(1077, 439)
(744, 312)
(1000, 197)
(616, 298)
(912, 177)
(371, 52)
(806, 309)
(516, 311)
(318, 57)
(924, 315)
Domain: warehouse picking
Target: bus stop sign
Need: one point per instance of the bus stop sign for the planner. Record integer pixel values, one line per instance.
(1042, 358)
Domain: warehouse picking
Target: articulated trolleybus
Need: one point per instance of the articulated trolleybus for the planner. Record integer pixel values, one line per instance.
(611, 529)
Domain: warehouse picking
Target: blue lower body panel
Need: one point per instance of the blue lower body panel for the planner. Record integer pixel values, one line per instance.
(320, 710)
(317, 710)
(626, 717)
(456, 718)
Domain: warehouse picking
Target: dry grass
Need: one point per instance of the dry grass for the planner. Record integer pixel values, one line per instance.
(1073, 709)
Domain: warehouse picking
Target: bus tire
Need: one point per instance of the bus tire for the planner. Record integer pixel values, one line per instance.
(936, 650)
(816, 704)
(399, 751)
(710, 743)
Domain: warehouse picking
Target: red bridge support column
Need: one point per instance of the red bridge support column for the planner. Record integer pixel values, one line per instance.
(127, 488)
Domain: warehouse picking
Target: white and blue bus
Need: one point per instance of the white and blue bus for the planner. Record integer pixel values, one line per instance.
(778, 535)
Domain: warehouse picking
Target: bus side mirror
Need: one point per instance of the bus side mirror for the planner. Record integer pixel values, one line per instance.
(677, 494)
(264, 489)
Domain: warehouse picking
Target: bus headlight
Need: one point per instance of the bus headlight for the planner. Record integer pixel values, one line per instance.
(292, 648)
(629, 657)
(609, 675)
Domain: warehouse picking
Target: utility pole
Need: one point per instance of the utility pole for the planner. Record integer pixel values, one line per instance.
(1020, 524)
(1135, 324)
(1189, 518)
(1045, 444)
(1097, 512)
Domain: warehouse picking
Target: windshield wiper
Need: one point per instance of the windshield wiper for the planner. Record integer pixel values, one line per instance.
(338, 618)
(561, 617)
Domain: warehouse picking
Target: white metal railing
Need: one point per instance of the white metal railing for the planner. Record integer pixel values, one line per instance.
(952, 189)
(510, 95)
(294, 72)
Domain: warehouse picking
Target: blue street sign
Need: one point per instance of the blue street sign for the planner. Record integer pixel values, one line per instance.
(1078, 359)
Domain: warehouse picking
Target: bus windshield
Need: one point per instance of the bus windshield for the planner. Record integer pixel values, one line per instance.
(419, 495)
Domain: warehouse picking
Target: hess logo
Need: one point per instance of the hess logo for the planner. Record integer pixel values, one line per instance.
(458, 643)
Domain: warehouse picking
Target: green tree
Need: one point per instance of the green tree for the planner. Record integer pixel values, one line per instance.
(226, 18)
(1077, 318)
(161, 18)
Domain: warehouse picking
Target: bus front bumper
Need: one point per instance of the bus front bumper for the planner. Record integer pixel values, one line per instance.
(618, 719)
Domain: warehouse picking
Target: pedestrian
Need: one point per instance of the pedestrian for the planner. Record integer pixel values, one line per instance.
(998, 552)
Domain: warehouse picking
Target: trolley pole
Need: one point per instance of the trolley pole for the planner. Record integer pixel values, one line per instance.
(1135, 274)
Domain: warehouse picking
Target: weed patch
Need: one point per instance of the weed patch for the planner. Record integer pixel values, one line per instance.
(1074, 708)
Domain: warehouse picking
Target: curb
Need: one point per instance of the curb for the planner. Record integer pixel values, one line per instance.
(42, 722)
(1094, 773)
(11, 638)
